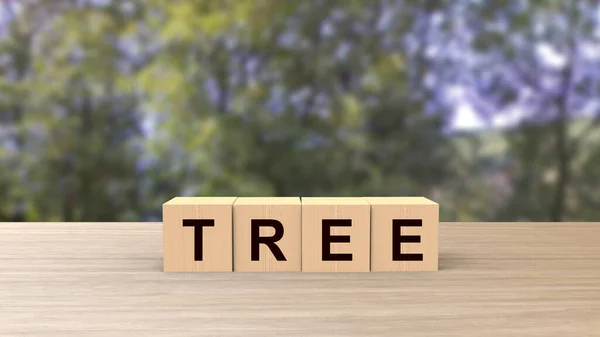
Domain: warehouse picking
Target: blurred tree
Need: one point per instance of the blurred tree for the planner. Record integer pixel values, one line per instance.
(108, 108)
(535, 66)
(72, 120)
(316, 100)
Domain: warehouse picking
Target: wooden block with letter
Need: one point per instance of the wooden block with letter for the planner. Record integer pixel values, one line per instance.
(404, 234)
(266, 234)
(197, 234)
(335, 235)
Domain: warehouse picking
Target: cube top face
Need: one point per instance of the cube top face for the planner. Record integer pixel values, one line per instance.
(399, 201)
(201, 201)
(261, 201)
(336, 201)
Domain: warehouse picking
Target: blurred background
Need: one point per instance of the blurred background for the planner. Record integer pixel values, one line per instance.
(110, 108)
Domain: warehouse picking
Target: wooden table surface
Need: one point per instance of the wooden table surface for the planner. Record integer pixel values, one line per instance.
(106, 279)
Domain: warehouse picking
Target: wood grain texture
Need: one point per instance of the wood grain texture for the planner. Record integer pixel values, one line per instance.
(384, 210)
(355, 233)
(284, 210)
(512, 279)
(216, 243)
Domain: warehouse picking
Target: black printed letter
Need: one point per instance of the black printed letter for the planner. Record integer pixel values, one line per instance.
(397, 239)
(198, 224)
(328, 239)
(256, 239)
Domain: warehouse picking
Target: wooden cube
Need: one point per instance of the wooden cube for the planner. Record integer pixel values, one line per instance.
(404, 234)
(197, 234)
(335, 235)
(266, 234)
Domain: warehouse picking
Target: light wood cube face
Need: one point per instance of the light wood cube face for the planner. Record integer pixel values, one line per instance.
(335, 235)
(267, 234)
(404, 234)
(291, 234)
(197, 234)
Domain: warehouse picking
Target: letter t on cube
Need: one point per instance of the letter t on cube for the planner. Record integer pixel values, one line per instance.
(197, 234)
(404, 234)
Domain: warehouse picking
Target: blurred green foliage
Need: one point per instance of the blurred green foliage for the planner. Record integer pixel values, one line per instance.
(110, 108)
